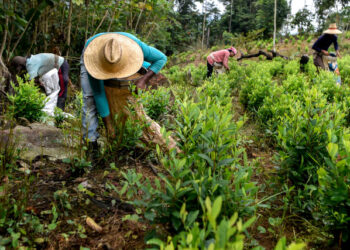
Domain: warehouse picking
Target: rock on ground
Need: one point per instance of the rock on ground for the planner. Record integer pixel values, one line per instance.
(39, 139)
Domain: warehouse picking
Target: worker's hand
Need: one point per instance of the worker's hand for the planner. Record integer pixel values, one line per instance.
(338, 54)
(325, 52)
(141, 83)
(109, 125)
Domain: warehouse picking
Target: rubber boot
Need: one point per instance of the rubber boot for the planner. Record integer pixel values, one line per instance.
(93, 153)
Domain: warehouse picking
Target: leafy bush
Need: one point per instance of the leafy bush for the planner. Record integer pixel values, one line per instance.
(59, 117)
(210, 166)
(155, 102)
(227, 234)
(334, 189)
(27, 102)
(128, 135)
(302, 137)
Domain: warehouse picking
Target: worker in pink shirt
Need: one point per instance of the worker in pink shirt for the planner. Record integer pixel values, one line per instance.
(219, 58)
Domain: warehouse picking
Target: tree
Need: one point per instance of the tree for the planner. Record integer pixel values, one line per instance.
(324, 5)
(265, 15)
(302, 20)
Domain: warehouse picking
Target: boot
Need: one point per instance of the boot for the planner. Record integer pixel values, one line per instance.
(93, 152)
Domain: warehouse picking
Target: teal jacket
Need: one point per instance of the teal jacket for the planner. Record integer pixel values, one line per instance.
(40, 64)
(153, 60)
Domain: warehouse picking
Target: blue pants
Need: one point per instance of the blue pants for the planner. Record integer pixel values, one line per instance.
(89, 116)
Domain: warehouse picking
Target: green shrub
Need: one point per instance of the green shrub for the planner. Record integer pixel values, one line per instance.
(155, 102)
(302, 137)
(211, 165)
(334, 189)
(128, 135)
(59, 117)
(27, 102)
(224, 234)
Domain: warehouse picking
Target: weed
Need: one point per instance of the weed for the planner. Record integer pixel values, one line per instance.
(27, 102)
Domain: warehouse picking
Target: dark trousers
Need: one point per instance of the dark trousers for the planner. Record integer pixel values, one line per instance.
(209, 69)
(318, 61)
(63, 75)
(61, 103)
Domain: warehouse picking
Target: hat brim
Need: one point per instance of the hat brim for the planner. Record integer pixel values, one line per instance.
(98, 67)
(332, 32)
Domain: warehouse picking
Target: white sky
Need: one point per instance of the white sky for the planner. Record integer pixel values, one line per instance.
(296, 5)
(299, 4)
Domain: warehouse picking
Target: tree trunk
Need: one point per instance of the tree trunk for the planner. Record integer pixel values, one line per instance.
(9, 35)
(138, 19)
(205, 14)
(46, 28)
(87, 20)
(261, 52)
(208, 35)
(274, 26)
(4, 37)
(102, 20)
(20, 37)
(229, 25)
(35, 35)
(69, 23)
(4, 76)
(113, 15)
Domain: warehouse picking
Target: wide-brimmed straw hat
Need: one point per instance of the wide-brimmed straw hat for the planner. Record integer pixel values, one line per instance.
(332, 29)
(111, 56)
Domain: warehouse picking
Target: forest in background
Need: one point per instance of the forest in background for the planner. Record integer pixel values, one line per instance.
(34, 26)
(264, 149)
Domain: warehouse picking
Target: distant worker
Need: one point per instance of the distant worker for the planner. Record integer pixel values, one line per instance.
(322, 45)
(219, 59)
(39, 64)
(111, 55)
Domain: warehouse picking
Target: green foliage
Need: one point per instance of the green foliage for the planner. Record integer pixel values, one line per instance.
(9, 151)
(211, 233)
(19, 226)
(303, 21)
(334, 188)
(59, 117)
(265, 13)
(155, 102)
(207, 166)
(27, 102)
(78, 165)
(303, 137)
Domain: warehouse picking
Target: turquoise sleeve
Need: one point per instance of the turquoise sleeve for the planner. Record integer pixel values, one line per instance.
(146, 64)
(99, 96)
(156, 58)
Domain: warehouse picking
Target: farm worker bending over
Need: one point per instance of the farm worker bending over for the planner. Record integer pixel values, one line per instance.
(39, 64)
(219, 59)
(112, 55)
(323, 43)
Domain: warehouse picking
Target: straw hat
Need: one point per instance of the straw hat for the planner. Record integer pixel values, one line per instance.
(112, 56)
(332, 29)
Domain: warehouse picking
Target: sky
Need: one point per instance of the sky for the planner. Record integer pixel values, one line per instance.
(296, 5)
(299, 4)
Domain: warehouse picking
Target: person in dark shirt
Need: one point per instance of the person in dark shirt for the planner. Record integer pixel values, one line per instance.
(322, 45)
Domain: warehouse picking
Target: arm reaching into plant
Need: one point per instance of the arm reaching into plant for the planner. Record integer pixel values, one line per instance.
(114, 55)
(142, 83)
(220, 57)
(322, 45)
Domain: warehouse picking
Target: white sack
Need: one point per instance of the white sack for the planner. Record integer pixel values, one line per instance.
(52, 87)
